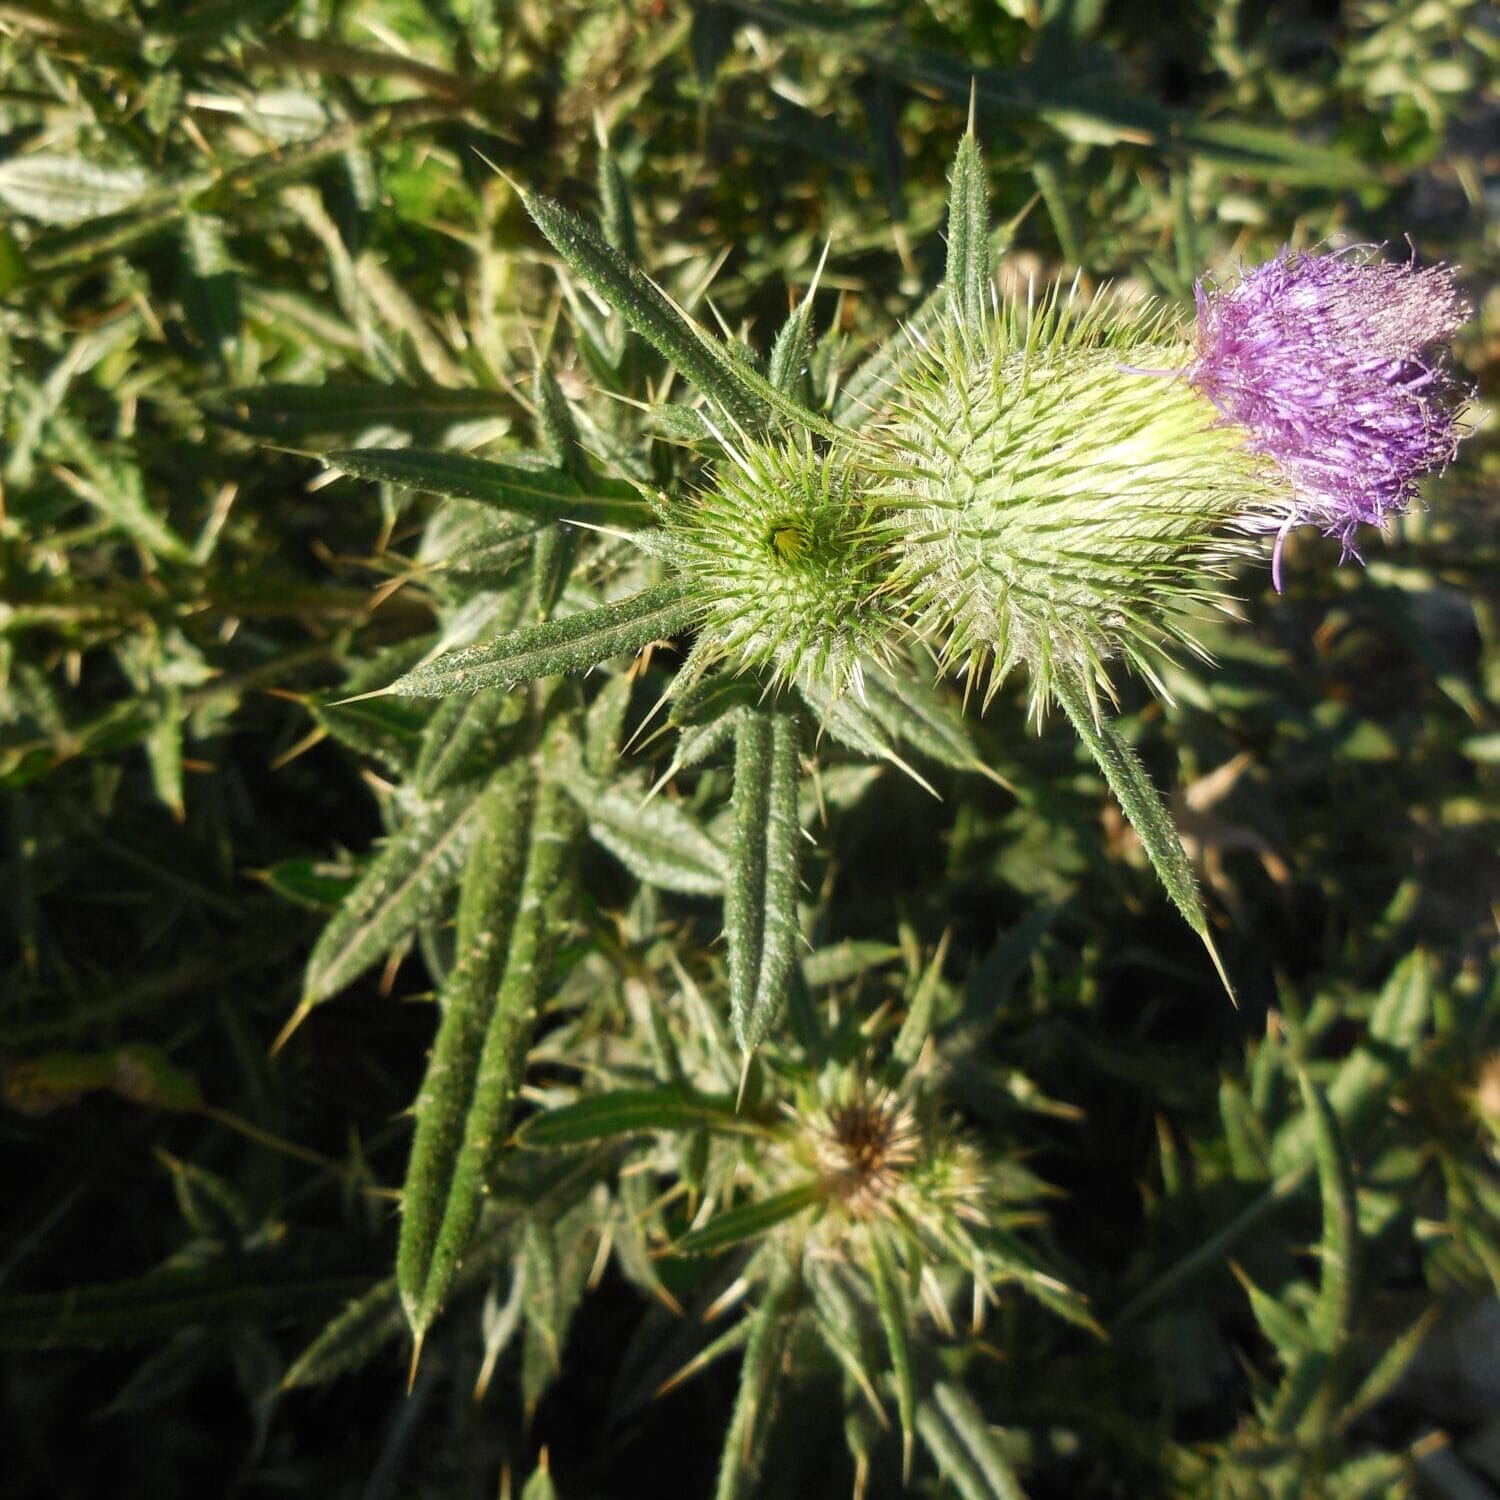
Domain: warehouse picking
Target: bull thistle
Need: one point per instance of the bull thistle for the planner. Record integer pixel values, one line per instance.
(1056, 486)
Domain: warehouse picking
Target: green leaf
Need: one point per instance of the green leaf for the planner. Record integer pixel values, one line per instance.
(261, 1290)
(318, 884)
(1338, 1250)
(960, 1440)
(911, 709)
(555, 646)
(762, 875)
(463, 736)
(970, 276)
(1360, 1090)
(618, 210)
(653, 838)
(792, 349)
(1285, 1330)
(917, 1025)
(69, 189)
(288, 411)
(540, 1485)
(895, 1319)
(558, 429)
(747, 1221)
(405, 883)
(647, 310)
(631, 1111)
(376, 1318)
(543, 494)
(1249, 1156)
(1389, 1368)
(514, 904)
(367, 1324)
(1143, 805)
(746, 399)
(770, 1329)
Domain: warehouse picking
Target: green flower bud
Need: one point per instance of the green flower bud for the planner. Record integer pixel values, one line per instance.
(1059, 496)
(789, 562)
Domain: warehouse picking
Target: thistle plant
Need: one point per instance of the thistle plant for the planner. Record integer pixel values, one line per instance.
(673, 1086)
(1052, 489)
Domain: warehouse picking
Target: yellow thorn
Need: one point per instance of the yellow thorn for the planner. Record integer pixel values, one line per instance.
(739, 1097)
(1218, 963)
(303, 1010)
(416, 1355)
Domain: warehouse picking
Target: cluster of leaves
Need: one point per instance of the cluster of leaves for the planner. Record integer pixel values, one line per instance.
(954, 1096)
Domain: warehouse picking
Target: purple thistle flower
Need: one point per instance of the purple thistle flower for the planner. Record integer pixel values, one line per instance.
(1325, 360)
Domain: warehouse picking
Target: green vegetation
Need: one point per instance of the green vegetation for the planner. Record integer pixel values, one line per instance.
(522, 970)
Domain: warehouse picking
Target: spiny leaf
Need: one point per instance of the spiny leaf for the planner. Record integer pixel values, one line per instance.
(556, 646)
(746, 399)
(260, 1289)
(641, 303)
(488, 905)
(1143, 805)
(510, 915)
(789, 354)
(890, 1303)
(655, 840)
(289, 411)
(367, 1324)
(618, 210)
(406, 882)
(771, 1326)
(1286, 1331)
(747, 1221)
(761, 879)
(376, 1318)
(911, 709)
(1389, 1368)
(917, 1026)
(631, 1111)
(1361, 1088)
(541, 493)
(960, 1440)
(1338, 1251)
(462, 735)
(969, 278)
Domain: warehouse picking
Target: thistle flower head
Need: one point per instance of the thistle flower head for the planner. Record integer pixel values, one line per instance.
(880, 1155)
(787, 559)
(1334, 366)
(1061, 504)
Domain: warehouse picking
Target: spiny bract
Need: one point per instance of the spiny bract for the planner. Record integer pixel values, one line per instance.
(1059, 496)
(790, 563)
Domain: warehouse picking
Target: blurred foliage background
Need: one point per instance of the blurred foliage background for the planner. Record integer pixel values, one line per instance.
(240, 232)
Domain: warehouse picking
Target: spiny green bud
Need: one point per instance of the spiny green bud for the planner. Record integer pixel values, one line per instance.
(789, 561)
(1059, 497)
